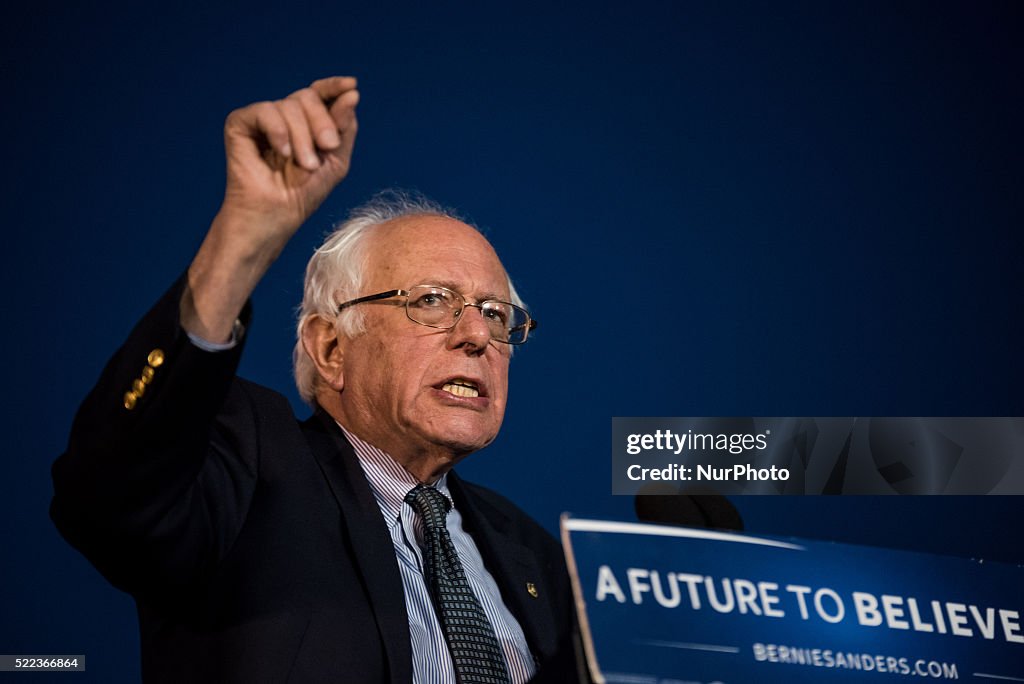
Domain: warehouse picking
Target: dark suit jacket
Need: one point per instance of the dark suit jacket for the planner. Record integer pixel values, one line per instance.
(251, 542)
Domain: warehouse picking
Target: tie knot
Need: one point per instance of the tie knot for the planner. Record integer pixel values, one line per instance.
(432, 505)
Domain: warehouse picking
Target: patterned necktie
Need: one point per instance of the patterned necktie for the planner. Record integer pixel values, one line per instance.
(475, 652)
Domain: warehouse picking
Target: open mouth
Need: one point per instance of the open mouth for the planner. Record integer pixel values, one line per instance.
(461, 387)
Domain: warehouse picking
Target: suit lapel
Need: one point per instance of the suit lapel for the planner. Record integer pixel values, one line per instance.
(373, 554)
(514, 566)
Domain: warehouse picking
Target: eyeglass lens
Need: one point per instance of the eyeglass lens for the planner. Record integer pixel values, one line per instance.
(440, 307)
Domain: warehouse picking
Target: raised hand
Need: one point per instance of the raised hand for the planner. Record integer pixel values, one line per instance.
(283, 159)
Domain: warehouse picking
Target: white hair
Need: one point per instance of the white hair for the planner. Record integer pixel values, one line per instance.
(335, 273)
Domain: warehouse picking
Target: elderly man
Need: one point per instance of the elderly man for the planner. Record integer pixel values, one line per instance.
(342, 548)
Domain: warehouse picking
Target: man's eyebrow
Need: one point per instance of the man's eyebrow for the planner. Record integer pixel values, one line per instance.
(455, 288)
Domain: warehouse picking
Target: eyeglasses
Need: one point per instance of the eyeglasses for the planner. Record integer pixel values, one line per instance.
(439, 307)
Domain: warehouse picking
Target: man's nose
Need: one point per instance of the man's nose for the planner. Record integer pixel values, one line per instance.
(470, 330)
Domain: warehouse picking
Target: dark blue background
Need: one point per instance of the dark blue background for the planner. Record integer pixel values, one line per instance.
(712, 208)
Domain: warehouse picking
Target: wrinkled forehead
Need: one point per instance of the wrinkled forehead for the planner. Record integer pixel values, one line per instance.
(434, 250)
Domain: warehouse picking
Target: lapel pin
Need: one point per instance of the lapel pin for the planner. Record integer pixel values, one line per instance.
(531, 589)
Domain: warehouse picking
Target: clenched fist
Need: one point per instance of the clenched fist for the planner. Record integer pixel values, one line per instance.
(283, 158)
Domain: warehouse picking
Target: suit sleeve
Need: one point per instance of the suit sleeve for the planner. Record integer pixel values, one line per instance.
(162, 459)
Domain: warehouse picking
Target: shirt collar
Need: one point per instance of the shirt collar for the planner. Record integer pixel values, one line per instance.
(389, 481)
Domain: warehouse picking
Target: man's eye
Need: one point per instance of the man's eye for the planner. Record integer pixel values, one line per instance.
(498, 315)
(431, 300)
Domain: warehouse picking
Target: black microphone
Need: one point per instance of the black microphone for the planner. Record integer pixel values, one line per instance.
(661, 502)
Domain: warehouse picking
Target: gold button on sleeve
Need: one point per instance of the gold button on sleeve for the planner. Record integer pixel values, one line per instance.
(130, 398)
(139, 387)
(156, 358)
(147, 374)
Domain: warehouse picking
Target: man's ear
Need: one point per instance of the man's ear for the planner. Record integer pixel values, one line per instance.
(322, 344)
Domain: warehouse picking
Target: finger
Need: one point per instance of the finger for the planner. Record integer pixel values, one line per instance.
(329, 88)
(343, 112)
(320, 123)
(261, 119)
(298, 129)
(343, 109)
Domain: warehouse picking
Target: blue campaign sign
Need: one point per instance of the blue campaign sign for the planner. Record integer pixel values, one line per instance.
(670, 605)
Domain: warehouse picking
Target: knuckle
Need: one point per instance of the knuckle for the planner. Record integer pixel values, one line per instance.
(289, 106)
(235, 115)
(259, 108)
(305, 96)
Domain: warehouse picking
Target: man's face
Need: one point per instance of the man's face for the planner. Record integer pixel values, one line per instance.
(398, 375)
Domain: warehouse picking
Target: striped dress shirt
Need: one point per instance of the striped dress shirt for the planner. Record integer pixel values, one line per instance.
(431, 660)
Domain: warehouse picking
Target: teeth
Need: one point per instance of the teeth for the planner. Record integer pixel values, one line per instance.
(460, 390)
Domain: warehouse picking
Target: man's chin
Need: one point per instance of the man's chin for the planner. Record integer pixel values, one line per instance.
(462, 442)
